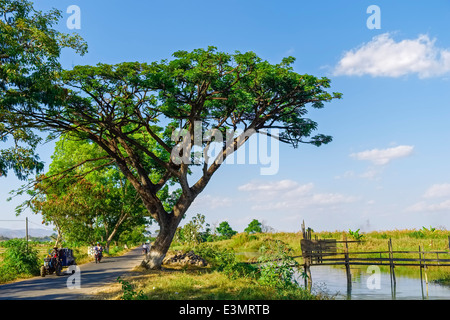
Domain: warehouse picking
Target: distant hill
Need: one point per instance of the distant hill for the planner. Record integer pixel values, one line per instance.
(32, 232)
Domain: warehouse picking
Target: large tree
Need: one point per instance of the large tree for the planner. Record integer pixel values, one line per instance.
(131, 110)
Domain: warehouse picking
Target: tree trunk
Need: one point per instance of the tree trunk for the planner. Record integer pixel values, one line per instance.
(159, 248)
(122, 218)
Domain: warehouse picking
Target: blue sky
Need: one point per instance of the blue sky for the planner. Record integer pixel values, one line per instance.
(387, 167)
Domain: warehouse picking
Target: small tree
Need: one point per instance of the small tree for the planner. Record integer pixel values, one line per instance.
(225, 231)
(254, 227)
(191, 232)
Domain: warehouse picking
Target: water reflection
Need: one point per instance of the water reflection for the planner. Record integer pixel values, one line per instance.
(333, 281)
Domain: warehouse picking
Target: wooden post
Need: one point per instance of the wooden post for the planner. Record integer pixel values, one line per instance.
(421, 279)
(347, 265)
(392, 271)
(308, 279)
(392, 262)
(303, 229)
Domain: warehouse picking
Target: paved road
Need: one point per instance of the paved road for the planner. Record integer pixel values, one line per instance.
(92, 276)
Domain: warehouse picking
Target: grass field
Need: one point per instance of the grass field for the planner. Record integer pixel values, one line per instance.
(402, 240)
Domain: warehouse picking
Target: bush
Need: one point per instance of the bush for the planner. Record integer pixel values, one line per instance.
(277, 265)
(224, 260)
(129, 293)
(417, 234)
(18, 260)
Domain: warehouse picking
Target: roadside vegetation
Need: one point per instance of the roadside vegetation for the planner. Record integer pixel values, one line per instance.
(275, 268)
(17, 261)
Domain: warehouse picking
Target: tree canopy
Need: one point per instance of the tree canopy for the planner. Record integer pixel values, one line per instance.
(254, 227)
(29, 61)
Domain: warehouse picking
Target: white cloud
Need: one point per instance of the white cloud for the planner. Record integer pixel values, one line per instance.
(270, 186)
(424, 206)
(383, 156)
(211, 202)
(288, 194)
(383, 56)
(438, 190)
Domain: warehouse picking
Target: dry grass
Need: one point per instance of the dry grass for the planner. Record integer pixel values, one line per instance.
(195, 283)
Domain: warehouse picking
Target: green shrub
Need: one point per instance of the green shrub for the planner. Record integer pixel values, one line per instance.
(277, 268)
(129, 293)
(356, 235)
(224, 260)
(417, 234)
(17, 260)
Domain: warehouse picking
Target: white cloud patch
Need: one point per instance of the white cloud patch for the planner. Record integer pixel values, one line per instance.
(424, 206)
(211, 202)
(433, 194)
(383, 156)
(438, 191)
(288, 194)
(385, 57)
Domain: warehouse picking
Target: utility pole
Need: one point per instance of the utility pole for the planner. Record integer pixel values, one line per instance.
(26, 228)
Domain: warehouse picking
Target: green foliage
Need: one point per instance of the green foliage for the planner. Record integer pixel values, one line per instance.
(93, 201)
(129, 293)
(253, 227)
(224, 260)
(384, 236)
(191, 233)
(18, 260)
(241, 239)
(29, 54)
(277, 265)
(225, 231)
(356, 235)
(429, 230)
(133, 236)
(417, 234)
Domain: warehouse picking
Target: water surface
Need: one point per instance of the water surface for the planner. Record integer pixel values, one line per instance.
(334, 282)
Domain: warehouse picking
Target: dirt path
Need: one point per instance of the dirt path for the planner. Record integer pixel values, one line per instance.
(92, 276)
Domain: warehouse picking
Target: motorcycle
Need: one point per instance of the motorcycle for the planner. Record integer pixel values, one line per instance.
(98, 257)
